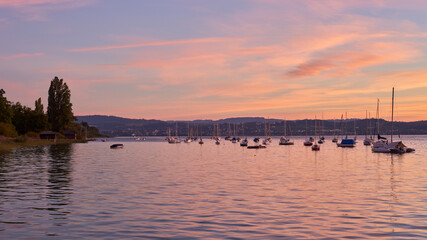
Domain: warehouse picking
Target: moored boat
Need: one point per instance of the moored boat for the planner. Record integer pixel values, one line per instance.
(315, 147)
(244, 142)
(346, 142)
(285, 140)
(117, 145)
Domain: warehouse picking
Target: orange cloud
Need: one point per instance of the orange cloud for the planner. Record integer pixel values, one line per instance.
(347, 61)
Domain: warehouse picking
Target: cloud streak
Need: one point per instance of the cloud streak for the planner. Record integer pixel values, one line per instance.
(21, 55)
(158, 43)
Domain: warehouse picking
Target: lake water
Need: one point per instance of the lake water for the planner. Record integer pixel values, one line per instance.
(157, 190)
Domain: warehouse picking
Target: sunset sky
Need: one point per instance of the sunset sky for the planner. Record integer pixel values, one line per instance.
(204, 59)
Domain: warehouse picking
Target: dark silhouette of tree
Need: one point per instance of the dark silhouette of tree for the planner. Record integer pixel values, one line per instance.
(6, 112)
(21, 118)
(59, 109)
(38, 106)
(38, 117)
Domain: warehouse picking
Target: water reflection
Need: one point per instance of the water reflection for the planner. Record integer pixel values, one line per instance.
(192, 191)
(59, 180)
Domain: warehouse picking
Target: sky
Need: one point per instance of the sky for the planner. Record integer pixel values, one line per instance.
(204, 59)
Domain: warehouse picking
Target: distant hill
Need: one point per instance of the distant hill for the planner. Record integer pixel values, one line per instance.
(253, 126)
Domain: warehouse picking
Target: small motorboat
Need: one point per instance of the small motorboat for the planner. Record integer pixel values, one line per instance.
(117, 145)
(256, 147)
(347, 142)
(315, 147)
(244, 142)
(307, 142)
(285, 141)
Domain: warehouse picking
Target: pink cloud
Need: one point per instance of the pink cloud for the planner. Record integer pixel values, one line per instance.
(350, 60)
(21, 55)
(159, 43)
(36, 10)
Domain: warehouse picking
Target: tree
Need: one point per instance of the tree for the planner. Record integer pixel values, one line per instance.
(38, 117)
(59, 109)
(39, 106)
(6, 112)
(21, 118)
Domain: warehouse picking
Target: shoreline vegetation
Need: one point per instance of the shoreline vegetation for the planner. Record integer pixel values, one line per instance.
(22, 126)
(9, 143)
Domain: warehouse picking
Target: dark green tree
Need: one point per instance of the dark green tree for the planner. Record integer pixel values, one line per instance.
(59, 108)
(6, 112)
(39, 106)
(21, 118)
(38, 120)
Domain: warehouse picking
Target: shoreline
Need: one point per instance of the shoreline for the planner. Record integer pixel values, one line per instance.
(11, 143)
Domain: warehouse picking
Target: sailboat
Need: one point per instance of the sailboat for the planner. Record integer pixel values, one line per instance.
(392, 147)
(355, 133)
(200, 136)
(380, 146)
(346, 142)
(307, 141)
(321, 137)
(257, 145)
(234, 139)
(315, 147)
(217, 137)
(229, 133)
(367, 141)
(285, 140)
(335, 139)
(267, 139)
(175, 139)
(244, 142)
(188, 139)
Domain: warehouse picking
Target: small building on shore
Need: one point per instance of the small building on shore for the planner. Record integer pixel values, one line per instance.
(70, 134)
(48, 135)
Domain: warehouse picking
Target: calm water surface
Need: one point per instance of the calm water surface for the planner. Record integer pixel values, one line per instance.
(157, 190)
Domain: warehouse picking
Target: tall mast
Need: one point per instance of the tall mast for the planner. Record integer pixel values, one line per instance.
(243, 128)
(378, 116)
(315, 130)
(335, 128)
(366, 130)
(323, 126)
(306, 134)
(265, 128)
(392, 113)
(284, 123)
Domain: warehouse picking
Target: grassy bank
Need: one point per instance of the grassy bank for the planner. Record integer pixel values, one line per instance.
(10, 143)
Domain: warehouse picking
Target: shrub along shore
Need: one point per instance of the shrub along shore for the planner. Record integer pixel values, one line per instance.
(7, 143)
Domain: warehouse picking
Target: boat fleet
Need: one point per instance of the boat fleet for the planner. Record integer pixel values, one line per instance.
(382, 145)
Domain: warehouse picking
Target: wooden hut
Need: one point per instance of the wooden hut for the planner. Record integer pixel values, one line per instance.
(70, 134)
(49, 135)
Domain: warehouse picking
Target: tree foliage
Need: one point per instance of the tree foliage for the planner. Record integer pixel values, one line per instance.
(59, 109)
(6, 112)
(21, 118)
(38, 117)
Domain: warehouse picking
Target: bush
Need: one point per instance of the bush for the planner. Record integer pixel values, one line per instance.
(7, 130)
(33, 135)
(21, 139)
